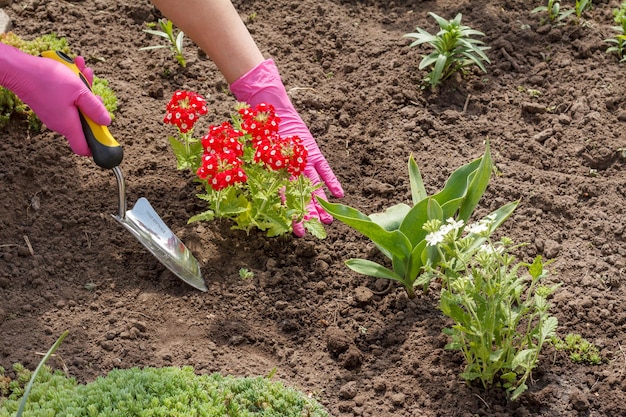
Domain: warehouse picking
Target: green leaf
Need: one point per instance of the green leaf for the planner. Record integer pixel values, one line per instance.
(523, 387)
(392, 217)
(478, 185)
(548, 329)
(536, 269)
(205, 216)
(524, 359)
(438, 72)
(373, 269)
(418, 191)
(413, 222)
(157, 33)
(395, 242)
(315, 228)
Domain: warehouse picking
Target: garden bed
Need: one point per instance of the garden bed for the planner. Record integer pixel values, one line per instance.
(552, 104)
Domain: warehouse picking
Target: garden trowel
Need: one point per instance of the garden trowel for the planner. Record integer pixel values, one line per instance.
(142, 221)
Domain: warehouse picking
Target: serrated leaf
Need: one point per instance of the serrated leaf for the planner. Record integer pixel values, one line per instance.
(316, 228)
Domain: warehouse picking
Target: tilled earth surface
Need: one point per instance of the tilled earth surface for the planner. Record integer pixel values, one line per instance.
(553, 105)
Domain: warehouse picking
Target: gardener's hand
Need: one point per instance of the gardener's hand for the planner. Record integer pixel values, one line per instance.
(54, 93)
(264, 85)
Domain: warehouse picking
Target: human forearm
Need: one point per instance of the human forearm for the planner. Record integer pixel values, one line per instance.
(215, 26)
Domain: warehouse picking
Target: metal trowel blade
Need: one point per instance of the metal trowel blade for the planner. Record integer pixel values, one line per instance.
(146, 225)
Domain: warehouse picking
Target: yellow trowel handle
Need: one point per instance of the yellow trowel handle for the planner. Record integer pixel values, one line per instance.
(107, 153)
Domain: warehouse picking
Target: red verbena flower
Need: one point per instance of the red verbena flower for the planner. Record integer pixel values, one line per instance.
(260, 121)
(278, 153)
(183, 110)
(223, 138)
(221, 169)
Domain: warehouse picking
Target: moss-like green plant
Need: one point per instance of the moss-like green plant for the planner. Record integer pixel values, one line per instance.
(11, 105)
(579, 349)
(165, 392)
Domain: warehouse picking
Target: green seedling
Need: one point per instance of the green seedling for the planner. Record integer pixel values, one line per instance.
(245, 273)
(454, 49)
(581, 7)
(580, 350)
(618, 42)
(175, 42)
(554, 11)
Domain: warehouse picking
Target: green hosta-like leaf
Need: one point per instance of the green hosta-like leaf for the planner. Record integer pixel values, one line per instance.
(392, 217)
(394, 242)
(418, 191)
(372, 269)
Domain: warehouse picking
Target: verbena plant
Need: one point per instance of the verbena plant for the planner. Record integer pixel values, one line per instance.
(251, 175)
(399, 232)
(619, 41)
(175, 41)
(554, 11)
(454, 49)
(500, 314)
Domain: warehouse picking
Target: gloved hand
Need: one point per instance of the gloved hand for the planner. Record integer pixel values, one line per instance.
(263, 84)
(53, 92)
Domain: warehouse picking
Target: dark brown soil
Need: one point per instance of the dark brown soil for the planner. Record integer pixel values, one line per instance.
(66, 264)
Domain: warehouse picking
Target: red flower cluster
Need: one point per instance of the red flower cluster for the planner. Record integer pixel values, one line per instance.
(183, 110)
(282, 153)
(222, 161)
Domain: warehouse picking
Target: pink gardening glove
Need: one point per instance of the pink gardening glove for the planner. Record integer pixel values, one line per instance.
(263, 84)
(53, 92)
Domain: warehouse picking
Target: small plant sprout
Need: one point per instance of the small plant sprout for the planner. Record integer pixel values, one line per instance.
(618, 42)
(454, 49)
(245, 273)
(580, 350)
(175, 41)
(581, 7)
(554, 11)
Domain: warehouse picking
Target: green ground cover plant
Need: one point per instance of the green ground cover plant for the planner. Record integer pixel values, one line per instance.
(454, 49)
(579, 349)
(169, 391)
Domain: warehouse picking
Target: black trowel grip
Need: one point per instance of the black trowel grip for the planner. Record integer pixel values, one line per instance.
(107, 152)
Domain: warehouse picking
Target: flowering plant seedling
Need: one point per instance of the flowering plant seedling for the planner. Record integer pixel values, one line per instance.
(398, 231)
(619, 41)
(500, 314)
(554, 11)
(175, 42)
(250, 173)
(454, 49)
